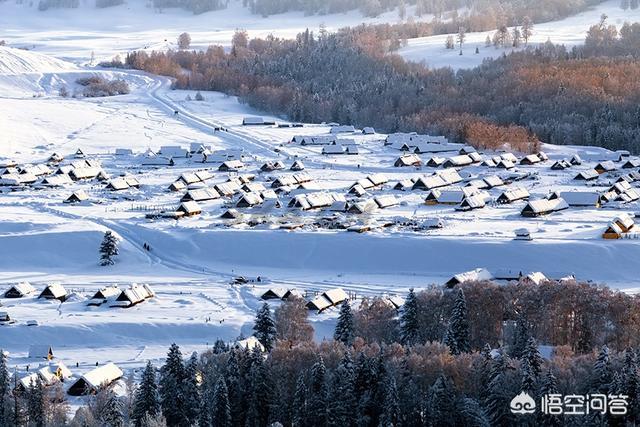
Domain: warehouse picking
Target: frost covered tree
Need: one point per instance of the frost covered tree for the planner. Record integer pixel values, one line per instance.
(184, 41)
(108, 248)
(171, 376)
(199, 96)
(292, 322)
(345, 327)
(341, 403)
(318, 394)
(549, 386)
(299, 408)
(527, 29)
(457, 338)
(190, 391)
(409, 322)
(112, 414)
(264, 327)
(390, 415)
(499, 392)
(449, 42)
(472, 413)
(516, 36)
(602, 374)
(260, 394)
(461, 37)
(221, 411)
(147, 401)
(520, 337)
(5, 388)
(37, 403)
(631, 383)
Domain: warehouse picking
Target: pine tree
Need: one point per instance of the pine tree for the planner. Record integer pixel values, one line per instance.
(112, 414)
(409, 323)
(5, 387)
(232, 378)
(37, 403)
(441, 400)
(221, 411)
(472, 414)
(520, 338)
(260, 399)
(602, 375)
(341, 402)
(147, 400)
(498, 393)
(631, 386)
(549, 386)
(264, 327)
(300, 413)
(108, 248)
(190, 391)
(390, 415)
(345, 328)
(458, 333)
(318, 394)
(531, 366)
(171, 376)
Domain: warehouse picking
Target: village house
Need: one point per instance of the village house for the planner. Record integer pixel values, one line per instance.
(249, 200)
(40, 352)
(578, 198)
(529, 160)
(231, 166)
(479, 274)
(103, 295)
(606, 166)
(134, 295)
(200, 195)
(77, 197)
(458, 161)
(189, 208)
(408, 160)
(535, 208)
(54, 291)
(476, 201)
(576, 160)
(297, 166)
(20, 290)
(587, 175)
(93, 380)
(158, 161)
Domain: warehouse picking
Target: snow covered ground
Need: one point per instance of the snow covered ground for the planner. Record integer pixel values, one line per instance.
(74, 34)
(569, 32)
(193, 260)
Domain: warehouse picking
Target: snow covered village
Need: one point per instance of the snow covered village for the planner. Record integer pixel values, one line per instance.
(364, 213)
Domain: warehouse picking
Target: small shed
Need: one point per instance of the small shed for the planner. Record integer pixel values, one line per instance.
(134, 295)
(274, 293)
(473, 275)
(535, 208)
(231, 166)
(606, 166)
(297, 166)
(104, 294)
(587, 175)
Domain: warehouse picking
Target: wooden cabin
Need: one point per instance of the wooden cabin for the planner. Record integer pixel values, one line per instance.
(54, 291)
(95, 379)
(20, 290)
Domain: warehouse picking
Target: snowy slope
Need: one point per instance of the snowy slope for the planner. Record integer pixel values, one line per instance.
(18, 61)
(570, 32)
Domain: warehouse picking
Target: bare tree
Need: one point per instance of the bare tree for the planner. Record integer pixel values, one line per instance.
(184, 41)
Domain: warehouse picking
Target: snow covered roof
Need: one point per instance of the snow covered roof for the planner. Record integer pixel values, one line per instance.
(544, 206)
(53, 291)
(336, 296)
(578, 198)
(408, 160)
(20, 290)
(249, 199)
(458, 161)
(201, 195)
(476, 201)
(587, 175)
(96, 378)
(513, 194)
(468, 276)
(250, 343)
(493, 181)
(190, 208)
(386, 201)
(231, 165)
(40, 351)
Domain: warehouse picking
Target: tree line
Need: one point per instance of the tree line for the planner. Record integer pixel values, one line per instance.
(443, 360)
(585, 96)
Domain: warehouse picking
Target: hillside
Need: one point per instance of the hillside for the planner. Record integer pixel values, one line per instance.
(17, 61)
(570, 32)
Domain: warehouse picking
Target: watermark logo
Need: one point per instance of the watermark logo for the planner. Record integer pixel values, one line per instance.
(523, 404)
(571, 404)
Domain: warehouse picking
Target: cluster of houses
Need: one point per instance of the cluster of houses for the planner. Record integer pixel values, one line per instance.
(482, 274)
(51, 372)
(320, 302)
(113, 295)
